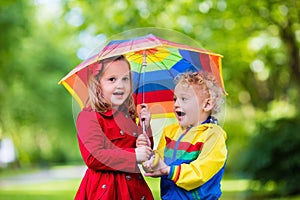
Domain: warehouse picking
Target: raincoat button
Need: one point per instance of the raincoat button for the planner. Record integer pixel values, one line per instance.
(140, 177)
(121, 132)
(143, 198)
(104, 186)
(134, 134)
(128, 177)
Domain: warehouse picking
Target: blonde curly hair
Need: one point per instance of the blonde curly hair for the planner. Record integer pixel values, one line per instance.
(96, 100)
(205, 82)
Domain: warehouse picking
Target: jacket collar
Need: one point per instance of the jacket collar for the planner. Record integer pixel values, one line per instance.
(110, 112)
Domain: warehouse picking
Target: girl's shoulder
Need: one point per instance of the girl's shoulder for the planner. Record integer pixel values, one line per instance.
(87, 113)
(90, 111)
(90, 114)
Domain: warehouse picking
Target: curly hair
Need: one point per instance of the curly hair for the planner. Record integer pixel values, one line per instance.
(96, 99)
(204, 81)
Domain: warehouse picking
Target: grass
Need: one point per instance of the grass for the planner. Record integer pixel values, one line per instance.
(52, 190)
(232, 189)
(66, 189)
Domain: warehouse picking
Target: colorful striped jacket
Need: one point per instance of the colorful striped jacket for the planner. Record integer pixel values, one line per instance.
(197, 159)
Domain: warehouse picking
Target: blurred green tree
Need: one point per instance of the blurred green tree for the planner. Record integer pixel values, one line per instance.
(278, 146)
(14, 26)
(34, 111)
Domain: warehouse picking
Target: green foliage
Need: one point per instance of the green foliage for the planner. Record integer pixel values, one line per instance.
(14, 25)
(273, 155)
(34, 111)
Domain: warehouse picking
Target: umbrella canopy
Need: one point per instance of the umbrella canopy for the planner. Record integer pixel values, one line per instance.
(155, 62)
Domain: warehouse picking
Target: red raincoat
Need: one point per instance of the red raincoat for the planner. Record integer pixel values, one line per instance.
(107, 142)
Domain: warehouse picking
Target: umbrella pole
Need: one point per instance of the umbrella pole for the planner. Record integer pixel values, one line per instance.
(144, 64)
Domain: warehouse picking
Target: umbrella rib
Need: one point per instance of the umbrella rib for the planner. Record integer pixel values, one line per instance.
(165, 68)
(162, 63)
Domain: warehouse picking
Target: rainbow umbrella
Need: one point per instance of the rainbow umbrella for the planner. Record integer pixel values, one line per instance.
(155, 62)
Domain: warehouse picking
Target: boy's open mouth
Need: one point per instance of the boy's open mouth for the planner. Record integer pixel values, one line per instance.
(180, 113)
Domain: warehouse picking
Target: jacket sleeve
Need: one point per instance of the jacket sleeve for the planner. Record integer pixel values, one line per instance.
(92, 146)
(209, 162)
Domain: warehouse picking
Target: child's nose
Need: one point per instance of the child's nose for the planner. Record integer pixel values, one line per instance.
(176, 103)
(120, 84)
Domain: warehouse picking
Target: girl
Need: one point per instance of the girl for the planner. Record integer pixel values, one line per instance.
(193, 152)
(107, 135)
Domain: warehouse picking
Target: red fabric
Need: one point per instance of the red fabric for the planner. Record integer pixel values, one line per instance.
(107, 143)
(154, 96)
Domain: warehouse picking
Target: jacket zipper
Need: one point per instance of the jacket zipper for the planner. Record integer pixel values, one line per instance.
(178, 141)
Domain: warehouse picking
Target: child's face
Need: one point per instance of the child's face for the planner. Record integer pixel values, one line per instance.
(115, 82)
(189, 105)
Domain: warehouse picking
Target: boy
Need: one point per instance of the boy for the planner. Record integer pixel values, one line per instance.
(193, 152)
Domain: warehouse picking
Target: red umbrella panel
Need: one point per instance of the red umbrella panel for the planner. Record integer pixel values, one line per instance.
(155, 62)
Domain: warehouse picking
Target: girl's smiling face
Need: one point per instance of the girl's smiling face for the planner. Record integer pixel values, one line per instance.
(189, 105)
(116, 83)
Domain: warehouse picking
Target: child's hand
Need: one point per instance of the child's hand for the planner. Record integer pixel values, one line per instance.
(142, 153)
(152, 164)
(143, 140)
(161, 169)
(145, 115)
(147, 165)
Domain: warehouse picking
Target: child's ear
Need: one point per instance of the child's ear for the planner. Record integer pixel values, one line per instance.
(208, 105)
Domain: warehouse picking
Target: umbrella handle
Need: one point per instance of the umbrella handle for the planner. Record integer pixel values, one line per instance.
(143, 122)
(144, 126)
(143, 119)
